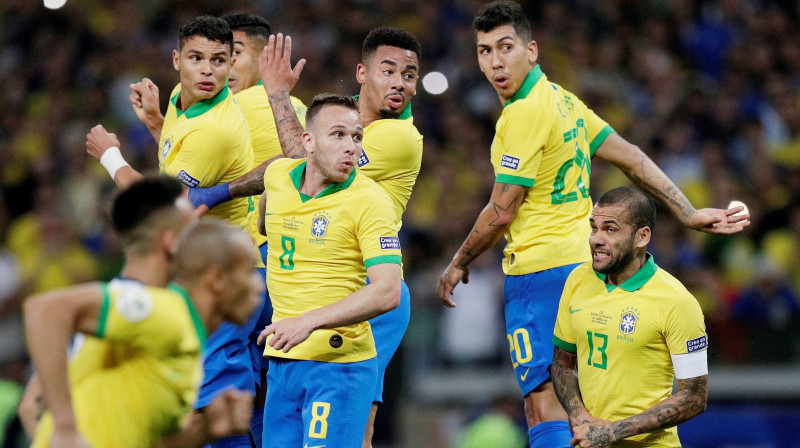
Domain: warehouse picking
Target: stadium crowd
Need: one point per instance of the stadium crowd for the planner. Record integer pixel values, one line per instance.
(710, 90)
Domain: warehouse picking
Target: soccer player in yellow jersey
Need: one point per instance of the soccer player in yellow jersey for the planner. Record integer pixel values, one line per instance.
(623, 317)
(204, 141)
(541, 154)
(141, 383)
(392, 154)
(329, 227)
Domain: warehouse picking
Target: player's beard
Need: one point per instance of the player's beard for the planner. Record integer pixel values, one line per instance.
(621, 260)
(389, 114)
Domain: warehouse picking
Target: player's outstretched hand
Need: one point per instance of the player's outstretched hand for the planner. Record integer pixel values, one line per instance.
(228, 414)
(595, 434)
(277, 73)
(68, 439)
(715, 220)
(98, 140)
(448, 281)
(144, 99)
(288, 332)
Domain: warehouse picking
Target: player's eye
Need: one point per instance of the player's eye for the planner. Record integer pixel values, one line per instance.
(235, 52)
(387, 72)
(357, 137)
(409, 76)
(506, 47)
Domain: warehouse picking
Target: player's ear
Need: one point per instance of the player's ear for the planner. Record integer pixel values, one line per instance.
(361, 73)
(308, 142)
(167, 241)
(176, 58)
(533, 52)
(643, 237)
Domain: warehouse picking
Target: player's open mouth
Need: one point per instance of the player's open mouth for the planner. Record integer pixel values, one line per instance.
(501, 81)
(206, 85)
(395, 101)
(600, 256)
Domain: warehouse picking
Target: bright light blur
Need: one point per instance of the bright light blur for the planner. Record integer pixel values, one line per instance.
(434, 83)
(54, 4)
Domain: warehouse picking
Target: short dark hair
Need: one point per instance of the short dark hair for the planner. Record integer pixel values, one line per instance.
(212, 28)
(389, 37)
(502, 13)
(641, 207)
(328, 99)
(134, 205)
(250, 24)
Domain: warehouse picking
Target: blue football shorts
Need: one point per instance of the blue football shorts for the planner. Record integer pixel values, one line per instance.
(531, 306)
(264, 319)
(315, 404)
(388, 330)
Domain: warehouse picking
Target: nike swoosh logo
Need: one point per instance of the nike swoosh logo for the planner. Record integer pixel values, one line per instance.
(524, 375)
(571, 311)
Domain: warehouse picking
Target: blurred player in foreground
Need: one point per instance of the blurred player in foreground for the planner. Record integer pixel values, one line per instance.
(392, 146)
(628, 328)
(541, 154)
(144, 383)
(328, 227)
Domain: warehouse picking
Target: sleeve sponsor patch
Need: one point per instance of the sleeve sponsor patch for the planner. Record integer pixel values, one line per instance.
(509, 162)
(390, 242)
(187, 179)
(134, 303)
(363, 159)
(697, 344)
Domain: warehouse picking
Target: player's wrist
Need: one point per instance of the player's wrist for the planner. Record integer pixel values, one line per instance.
(113, 161)
(212, 196)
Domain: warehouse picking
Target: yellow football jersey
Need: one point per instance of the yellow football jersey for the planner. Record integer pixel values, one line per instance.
(320, 249)
(544, 140)
(624, 338)
(150, 371)
(207, 145)
(263, 132)
(392, 157)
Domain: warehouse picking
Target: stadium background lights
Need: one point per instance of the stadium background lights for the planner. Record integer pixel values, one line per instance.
(434, 83)
(54, 4)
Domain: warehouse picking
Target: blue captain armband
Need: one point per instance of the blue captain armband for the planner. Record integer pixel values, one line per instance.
(211, 196)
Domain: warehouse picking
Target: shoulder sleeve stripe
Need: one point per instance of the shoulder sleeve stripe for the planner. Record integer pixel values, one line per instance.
(599, 139)
(563, 345)
(396, 259)
(102, 319)
(514, 180)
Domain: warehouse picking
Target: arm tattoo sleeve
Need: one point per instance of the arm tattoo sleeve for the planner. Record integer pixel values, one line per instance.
(651, 179)
(289, 128)
(565, 383)
(687, 403)
(251, 184)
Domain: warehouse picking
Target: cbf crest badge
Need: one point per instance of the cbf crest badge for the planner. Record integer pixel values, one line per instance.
(628, 320)
(319, 225)
(166, 148)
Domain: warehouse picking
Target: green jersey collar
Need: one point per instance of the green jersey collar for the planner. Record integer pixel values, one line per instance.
(203, 106)
(198, 323)
(405, 114)
(637, 280)
(297, 179)
(260, 82)
(533, 77)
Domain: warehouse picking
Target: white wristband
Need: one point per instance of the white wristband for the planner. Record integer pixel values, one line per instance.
(112, 161)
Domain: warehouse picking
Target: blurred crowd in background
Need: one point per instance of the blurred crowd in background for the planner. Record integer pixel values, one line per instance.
(709, 89)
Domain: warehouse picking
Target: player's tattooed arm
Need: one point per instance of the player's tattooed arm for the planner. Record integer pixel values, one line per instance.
(252, 183)
(688, 402)
(490, 226)
(289, 128)
(564, 372)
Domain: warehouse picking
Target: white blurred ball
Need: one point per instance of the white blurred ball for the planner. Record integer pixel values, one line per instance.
(738, 204)
(435, 83)
(54, 4)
